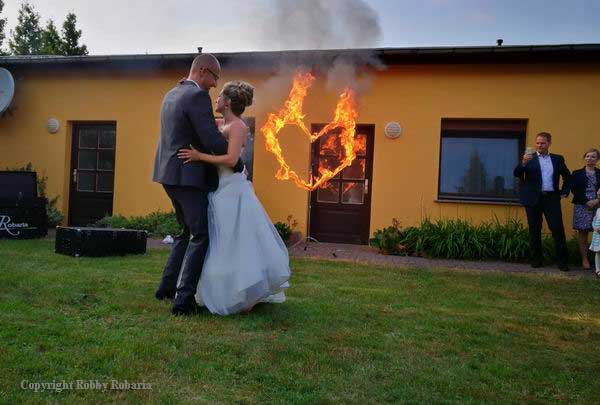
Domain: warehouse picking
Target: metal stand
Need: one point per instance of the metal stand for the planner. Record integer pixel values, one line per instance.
(308, 237)
(308, 218)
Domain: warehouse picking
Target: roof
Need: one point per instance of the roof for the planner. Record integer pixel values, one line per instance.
(582, 53)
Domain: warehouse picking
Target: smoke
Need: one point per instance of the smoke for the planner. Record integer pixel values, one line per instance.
(352, 71)
(340, 71)
(321, 24)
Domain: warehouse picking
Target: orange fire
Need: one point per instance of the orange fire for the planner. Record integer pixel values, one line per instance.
(344, 119)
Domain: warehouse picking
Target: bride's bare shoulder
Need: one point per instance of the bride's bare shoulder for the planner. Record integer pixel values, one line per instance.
(239, 126)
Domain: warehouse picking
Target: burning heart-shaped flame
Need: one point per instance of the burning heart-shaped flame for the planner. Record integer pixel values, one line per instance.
(291, 114)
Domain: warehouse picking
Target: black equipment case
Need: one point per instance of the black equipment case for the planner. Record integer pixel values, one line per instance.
(95, 242)
(22, 213)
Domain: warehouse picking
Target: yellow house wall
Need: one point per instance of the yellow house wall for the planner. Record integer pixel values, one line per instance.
(561, 99)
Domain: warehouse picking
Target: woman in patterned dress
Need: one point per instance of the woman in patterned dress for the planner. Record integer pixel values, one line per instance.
(585, 183)
(595, 246)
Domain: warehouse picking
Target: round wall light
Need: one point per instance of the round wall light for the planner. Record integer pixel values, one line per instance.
(53, 125)
(392, 130)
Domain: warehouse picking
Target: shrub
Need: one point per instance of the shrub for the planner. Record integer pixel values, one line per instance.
(389, 240)
(459, 239)
(285, 229)
(158, 224)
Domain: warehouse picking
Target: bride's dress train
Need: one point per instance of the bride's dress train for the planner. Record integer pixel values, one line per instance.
(247, 261)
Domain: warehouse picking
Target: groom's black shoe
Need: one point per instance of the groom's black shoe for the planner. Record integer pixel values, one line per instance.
(185, 306)
(188, 310)
(164, 294)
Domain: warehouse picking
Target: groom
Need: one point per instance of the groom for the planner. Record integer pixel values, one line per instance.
(186, 118)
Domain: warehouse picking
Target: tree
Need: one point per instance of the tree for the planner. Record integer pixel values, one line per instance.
(2, 24)
(70, 37)
(27, 35)
(475, 178)
(51, 42)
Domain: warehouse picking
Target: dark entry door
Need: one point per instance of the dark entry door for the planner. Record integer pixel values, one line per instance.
(92, 172)
(340, 211)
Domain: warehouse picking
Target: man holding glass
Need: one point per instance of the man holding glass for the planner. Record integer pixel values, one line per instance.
(539, 173)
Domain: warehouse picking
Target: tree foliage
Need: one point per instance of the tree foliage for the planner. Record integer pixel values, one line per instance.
(51, 41)
(71, 36)
(26, 38)
(2, 25)
(29, 38)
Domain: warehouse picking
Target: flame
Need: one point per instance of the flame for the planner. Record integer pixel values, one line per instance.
(360, 145)
(344, 119)
(329, 147)
(348, 187)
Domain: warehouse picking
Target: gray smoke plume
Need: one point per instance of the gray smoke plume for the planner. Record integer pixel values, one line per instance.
(321, 24)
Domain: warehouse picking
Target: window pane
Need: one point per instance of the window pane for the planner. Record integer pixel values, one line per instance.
(479, 167)
(329, 192)
(87, 159)
(87, 181)
(329, 163)
(107, 139)
(353, 193)
(360, 144)
(106, 160)
(329, 145)
(356, 171)
(105, 182)
(88, 138)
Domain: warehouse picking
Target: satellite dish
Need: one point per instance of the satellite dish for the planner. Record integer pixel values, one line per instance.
(7, 89)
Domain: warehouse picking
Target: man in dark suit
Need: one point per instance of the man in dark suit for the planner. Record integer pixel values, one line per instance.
(186, 118)
(539, 192)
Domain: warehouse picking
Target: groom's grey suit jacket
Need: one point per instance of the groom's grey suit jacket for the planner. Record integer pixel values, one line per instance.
(186, 118)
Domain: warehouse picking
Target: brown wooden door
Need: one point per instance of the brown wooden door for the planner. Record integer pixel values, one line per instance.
(340, 211)
(92, 172)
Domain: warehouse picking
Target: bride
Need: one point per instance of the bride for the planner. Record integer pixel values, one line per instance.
(247, 261)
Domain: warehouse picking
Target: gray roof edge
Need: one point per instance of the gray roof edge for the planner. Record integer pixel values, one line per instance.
(408, 51)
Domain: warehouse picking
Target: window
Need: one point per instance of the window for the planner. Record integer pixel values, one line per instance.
(477, 159)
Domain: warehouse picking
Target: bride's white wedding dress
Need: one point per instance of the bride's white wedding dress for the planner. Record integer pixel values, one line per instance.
(247, 261)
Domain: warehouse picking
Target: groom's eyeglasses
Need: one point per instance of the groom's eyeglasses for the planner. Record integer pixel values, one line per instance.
(216, 76)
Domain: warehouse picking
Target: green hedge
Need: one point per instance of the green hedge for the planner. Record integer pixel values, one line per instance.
(286, 229)
(459, 239)
(158, 224)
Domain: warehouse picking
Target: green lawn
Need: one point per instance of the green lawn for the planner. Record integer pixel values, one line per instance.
(347, 333)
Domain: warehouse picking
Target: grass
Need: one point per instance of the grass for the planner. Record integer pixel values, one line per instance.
(351, 333)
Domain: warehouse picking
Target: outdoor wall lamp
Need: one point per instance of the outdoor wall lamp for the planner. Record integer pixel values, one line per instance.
(392, 130)
(53, 125)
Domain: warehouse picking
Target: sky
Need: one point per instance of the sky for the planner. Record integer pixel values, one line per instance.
(180, 26)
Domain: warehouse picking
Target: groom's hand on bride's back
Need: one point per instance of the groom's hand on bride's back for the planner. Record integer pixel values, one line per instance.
(239, 166)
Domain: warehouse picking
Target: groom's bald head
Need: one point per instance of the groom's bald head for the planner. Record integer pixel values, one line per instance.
(205, 71)
(205, 60)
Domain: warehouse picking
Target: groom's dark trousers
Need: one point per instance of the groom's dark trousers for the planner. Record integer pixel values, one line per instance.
(189, 248)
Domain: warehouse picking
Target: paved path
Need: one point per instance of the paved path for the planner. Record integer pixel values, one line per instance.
(368, 255)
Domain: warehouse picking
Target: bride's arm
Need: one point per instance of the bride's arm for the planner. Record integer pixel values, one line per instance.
(237, 134)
